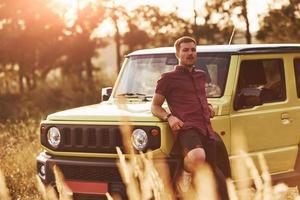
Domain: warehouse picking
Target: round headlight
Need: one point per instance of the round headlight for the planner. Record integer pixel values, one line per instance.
(139, 139)
(43, 170)
(53, 137)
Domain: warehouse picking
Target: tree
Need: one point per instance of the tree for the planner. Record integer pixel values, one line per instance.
(216, 25)
(28, 26)
(281, 25)
(116, 14)
(146, 26)
(242, 4)
(162, 28)
(229, 9)
(80, 46)
(135, 38)
(36, 39)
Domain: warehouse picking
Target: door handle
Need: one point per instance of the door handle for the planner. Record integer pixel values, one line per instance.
(285, 118)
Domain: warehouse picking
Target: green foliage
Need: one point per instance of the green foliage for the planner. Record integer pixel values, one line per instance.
(281, 25)
(9, 106)
(79, 47)
(220, 31)
(38, 40)
(29, 36)
(66, 93)
(136, 38)
(162, 28)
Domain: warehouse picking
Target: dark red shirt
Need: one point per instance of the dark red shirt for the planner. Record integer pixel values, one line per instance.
(185, 94)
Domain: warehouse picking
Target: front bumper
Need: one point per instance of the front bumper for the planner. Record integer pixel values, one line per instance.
(92, 170)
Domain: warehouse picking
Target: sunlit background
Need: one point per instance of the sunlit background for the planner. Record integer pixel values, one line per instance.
(185, 9)
(80, 44)
(58, 54)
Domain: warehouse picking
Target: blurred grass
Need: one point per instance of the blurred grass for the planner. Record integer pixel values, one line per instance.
(19, 145)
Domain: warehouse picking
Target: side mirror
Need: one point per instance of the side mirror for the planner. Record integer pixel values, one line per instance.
(105, 93)
(248, 98)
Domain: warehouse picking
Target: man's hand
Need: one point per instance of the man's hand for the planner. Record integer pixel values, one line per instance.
(175, 123)
(211, 109)
(157, 110)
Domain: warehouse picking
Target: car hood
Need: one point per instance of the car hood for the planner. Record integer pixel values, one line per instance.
(106, 111)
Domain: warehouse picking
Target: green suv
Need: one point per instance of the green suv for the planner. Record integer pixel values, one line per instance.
(254, 90)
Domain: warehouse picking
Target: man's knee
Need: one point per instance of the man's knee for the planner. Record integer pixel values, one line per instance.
(196, 156)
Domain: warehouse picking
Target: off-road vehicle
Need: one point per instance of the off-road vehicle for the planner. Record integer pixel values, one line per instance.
(254, 90)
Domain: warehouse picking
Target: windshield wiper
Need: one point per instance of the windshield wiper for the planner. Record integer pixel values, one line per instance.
(134, 95)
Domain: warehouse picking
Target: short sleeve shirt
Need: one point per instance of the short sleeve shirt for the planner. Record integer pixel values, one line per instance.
(185, 94)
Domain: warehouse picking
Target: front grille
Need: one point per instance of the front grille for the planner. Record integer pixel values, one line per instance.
(93, 138)
(90, 173)
(89, 139)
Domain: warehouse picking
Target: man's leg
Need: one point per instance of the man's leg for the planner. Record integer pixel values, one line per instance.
(221, 183)
(222, 158)
(211, 148)
(193, 159)
(193, 151)
(194, 156)
(198, 149)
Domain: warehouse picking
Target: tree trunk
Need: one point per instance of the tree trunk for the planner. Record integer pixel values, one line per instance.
(117, 41)
(21, 75)
(89, 72)
(245, 15)
(118, 47)
(195, 25)
(28, 82)
(34, 80)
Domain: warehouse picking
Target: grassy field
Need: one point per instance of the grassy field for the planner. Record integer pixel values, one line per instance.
(19, 145)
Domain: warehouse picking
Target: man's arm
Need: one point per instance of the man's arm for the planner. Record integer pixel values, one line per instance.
(156, 107)
(157, 110)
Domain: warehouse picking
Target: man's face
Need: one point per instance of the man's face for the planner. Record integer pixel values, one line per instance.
(187, 54)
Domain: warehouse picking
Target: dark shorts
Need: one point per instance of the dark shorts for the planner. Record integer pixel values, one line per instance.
(191, 139)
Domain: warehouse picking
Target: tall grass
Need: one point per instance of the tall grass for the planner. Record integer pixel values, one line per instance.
(19, 145)
(145, 179)
(4, 193)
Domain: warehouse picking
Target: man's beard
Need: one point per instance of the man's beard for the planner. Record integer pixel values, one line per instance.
(188, 62)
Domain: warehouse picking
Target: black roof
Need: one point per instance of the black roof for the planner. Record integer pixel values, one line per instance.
(232, 49)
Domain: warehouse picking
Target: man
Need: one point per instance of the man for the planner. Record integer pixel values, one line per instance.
(189, 117)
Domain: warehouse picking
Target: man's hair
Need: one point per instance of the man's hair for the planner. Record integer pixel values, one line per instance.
(184, 39)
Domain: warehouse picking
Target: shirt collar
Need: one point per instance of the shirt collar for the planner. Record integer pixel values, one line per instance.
(181, 68)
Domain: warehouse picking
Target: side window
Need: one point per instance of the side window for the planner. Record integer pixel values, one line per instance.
(297, 75)
(260, 81)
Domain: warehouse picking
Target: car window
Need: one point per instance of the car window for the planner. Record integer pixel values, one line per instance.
(259, 82)
(216, 69)
(142, 72)
(297, 75)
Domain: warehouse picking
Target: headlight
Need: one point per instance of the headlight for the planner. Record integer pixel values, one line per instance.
(53, 137)
(43, 170)
(139, 139)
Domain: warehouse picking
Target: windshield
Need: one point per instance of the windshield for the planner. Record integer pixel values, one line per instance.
(141, 73)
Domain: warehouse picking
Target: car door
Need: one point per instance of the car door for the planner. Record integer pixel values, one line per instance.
(295, 93)
(261, 114)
